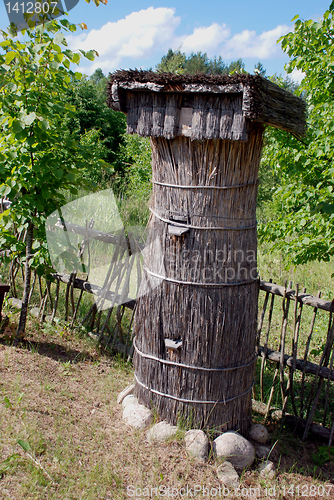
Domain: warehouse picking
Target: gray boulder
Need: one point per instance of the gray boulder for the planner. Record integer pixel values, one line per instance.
(137, 416)
(34, 311)
(258, 433)
(197, 444)
(262, 451)
(17, 303)
(130, 399)
(235, 449)
(161, 431)
(228, 475)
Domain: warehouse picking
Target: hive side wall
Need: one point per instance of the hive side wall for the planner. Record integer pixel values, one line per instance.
(197, 298)
(196, 116)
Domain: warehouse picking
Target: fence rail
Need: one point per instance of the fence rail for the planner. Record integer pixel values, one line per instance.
(292, 374)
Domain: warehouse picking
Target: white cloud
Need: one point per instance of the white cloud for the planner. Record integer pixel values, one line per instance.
(205, 39)
(138, 35)
(248, 44)
(296, 75)
(147, 34)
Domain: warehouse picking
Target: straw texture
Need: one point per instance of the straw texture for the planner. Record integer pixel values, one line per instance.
(217, 325)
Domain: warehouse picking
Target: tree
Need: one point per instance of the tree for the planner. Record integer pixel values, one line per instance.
(40, 158)
(304, 228)
(259, 69)
(236, 67)
(197, 63)
(88, 96)
(98, 78)
(178, 62)
(172, 62)
(217, 66)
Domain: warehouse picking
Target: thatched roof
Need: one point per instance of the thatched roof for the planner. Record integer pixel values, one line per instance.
(202, 106)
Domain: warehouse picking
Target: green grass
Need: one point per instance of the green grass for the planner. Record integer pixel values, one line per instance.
(315, 276)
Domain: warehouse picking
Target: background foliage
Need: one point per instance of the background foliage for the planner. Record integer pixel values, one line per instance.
(303, 227)
(58, 139)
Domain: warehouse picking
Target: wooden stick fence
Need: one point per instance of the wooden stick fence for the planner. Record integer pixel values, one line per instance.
(301, 397)
(299, 385)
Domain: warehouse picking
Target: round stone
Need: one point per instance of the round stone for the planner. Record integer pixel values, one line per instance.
(234, 448)
(197, 444)
(137, 416)
(161, 431)
(259, 433)
(129, 400)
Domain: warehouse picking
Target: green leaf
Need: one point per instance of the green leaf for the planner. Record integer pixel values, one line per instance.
(90, 55)
(24, 445)
(65, 23)
(326, 208)
(44, 124)
(294, 18)
(31, 141)
(17, 126)
(5, 190)
(59, 38)
(10, 56)
(59, 173)
(69, 54)
(70, 177)
(7, 402)
(28, 119)
(76, 58)
(70, 107)
(46, 194)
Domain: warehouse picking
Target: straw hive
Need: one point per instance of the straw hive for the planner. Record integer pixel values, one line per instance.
(195, 329)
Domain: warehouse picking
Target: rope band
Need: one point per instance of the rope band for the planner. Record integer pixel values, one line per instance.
(194, 401)
(190, 367)
(202, 227)
(205, 187)
(196, 283)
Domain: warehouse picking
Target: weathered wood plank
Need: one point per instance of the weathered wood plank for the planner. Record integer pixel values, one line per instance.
(145, 118)
(301, 365)
(88, 233)
(316, 429)
(172, 115)
(93, 289)
(306, 298)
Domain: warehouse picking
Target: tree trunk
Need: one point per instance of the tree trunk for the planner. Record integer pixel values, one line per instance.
(27, 278)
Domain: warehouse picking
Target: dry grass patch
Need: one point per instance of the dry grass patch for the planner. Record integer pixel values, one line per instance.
(58, 394)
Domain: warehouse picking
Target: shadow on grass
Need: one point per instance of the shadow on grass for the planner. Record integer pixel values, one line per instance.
(53, 350)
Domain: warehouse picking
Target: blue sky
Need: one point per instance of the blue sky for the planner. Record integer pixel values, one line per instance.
(129, 34)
